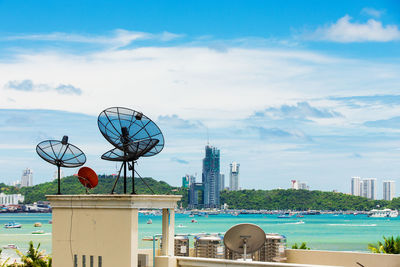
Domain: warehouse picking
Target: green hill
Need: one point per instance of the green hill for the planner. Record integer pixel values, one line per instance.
(282, 199)
(71, 185)
(300, 200)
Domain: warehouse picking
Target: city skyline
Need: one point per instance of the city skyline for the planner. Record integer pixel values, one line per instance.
(284, 93)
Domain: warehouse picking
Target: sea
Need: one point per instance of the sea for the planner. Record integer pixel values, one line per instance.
(321, 232)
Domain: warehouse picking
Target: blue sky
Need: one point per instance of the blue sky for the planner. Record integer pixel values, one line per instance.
(304, 90)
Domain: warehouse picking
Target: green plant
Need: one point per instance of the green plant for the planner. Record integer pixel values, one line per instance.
(390, 245)
(302, 246)
(34, 257)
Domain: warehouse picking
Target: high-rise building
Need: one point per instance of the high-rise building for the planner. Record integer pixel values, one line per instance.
(187, 180)
(364, 187)
(368, 188)
(388, 190)
(355, 186)
(211, 177)
(303, 185)
(221, 182)
(234, 176)
(296, 184)
(27, 178)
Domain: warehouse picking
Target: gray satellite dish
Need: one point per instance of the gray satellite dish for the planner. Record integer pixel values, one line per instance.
(244, 238)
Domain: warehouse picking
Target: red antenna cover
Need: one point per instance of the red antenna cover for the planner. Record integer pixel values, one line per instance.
(88, 177)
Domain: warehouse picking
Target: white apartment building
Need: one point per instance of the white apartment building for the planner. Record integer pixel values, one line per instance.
(27, 178)
(355, 186)
(234, 176)
(13, 199)
(368, 188)
(296, 184)
(388, 190)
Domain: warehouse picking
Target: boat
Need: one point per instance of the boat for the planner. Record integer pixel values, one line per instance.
(191, 215)
(38, 232)
(194, 221)
(383, 213)
(149, 238)
(12, 225)
(38, 224)
(10, 246)
(299, 216)
(149, 221)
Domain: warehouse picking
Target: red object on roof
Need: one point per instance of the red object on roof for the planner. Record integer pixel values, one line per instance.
(88, 177)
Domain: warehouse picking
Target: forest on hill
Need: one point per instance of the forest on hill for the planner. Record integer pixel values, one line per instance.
(277, 199)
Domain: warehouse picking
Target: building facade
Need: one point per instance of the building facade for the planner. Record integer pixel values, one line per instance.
(13, 199)
(355, 186)
(364, 187)
(368, 188)
(296, 184)
(221, 182)
(388, 190)
(234, 176)
(27, 178)
(211, 177)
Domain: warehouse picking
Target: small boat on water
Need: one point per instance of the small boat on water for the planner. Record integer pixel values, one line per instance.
(194, 221)
(10, 246)
(38, 224)
(191, 215)
(149, 238)
(12, 225)
(38, 232)
(149, 221)
(299, 216)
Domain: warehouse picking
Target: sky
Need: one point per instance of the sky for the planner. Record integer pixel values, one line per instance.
(306, 90)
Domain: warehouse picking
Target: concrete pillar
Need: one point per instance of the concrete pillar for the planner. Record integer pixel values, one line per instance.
(168, 232)
(104, 228)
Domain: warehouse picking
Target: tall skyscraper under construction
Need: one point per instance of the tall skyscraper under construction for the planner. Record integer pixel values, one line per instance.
(211, 177)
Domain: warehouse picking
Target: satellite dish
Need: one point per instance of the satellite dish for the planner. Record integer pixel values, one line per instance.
(88, 178)
(133, 151)
(61, 154)
(244, 238)
(132, 134)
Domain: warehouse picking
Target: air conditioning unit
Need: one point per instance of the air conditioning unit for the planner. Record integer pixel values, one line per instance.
(209, 246)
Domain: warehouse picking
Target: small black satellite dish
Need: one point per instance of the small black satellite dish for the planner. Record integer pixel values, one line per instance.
(132, 134)
(61, 154)
(244, 238)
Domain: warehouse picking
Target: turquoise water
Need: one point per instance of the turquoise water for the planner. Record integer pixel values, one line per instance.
(325, 232)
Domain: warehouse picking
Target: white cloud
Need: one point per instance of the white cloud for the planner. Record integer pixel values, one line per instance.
(119, 38)
(372, 12)
(345, 31)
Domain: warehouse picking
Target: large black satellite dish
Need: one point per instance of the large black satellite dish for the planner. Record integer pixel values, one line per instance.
(61, 154)
(132, 134)
(244, 238)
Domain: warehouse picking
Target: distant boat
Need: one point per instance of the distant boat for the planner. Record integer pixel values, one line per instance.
(383, 213)
(299, 216)
(10, 246)
(149, 221)
(38, 224)
(284, 216)
(149, 238)
(191, 215)
(38, 232)
(194, 221)
(12, 225)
